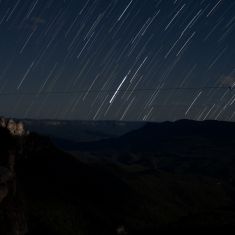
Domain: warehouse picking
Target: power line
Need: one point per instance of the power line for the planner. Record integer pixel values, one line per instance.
(113, 90)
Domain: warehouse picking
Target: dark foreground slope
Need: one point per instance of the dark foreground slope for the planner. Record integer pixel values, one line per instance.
(142, 191)
(64, 196)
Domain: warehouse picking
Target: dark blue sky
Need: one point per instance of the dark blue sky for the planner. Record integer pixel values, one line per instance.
(149, 60)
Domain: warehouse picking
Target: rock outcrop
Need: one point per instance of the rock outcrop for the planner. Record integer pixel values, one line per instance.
(15, 128)
(12, 217)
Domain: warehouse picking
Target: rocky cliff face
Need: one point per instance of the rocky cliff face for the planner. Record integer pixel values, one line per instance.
(12, 218)
(15, 128)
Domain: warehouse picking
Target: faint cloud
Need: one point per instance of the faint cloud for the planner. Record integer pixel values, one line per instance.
(228, 81)
(36, 22)
(33, 23)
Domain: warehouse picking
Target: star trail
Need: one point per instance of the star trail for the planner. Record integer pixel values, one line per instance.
(139, 60)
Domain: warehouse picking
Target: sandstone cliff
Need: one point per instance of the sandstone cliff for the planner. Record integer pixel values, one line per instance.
(15, 128)
(12, 218)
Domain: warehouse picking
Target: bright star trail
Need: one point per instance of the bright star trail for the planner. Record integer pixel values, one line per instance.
(139, 60)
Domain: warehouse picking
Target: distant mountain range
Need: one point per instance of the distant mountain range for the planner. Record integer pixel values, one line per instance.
(184, 146)
(155, 136)
(80, 131)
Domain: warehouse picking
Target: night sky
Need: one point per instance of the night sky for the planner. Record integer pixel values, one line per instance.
(152, 60)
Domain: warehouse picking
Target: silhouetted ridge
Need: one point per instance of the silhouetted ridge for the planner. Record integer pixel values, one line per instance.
(154, 135)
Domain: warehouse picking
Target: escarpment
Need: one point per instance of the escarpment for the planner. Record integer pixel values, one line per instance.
(12, 216)
(15, 128)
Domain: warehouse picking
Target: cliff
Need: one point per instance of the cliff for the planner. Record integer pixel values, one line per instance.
(15, 128)
(12, 217)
